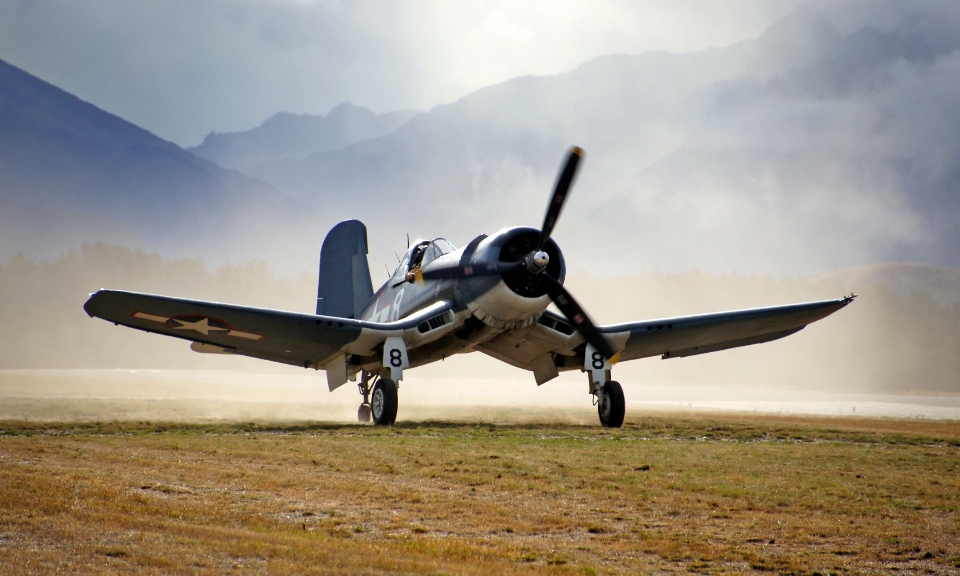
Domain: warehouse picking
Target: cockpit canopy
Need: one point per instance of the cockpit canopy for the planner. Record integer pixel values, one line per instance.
(421, 252)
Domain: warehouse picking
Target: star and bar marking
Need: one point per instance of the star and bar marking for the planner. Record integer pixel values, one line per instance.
(198, 323)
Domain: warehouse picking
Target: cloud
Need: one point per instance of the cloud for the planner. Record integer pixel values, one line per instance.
(182, 68)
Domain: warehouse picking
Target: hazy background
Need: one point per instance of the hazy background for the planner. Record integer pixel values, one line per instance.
(181, 68)
(739, 154)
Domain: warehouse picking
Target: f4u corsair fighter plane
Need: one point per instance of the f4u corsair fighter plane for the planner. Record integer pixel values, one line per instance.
(489, 296)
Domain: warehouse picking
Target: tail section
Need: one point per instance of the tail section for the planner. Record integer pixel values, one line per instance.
(345, 284)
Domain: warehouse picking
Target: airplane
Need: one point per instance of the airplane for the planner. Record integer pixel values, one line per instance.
(490, 296)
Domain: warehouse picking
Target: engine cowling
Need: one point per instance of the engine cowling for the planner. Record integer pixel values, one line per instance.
(516, 298)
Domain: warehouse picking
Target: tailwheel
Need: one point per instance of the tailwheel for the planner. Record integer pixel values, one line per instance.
(383, 402)
(363, 414)
(611, 405)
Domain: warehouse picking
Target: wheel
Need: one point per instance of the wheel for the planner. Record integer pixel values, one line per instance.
(611, 406)
(383, 402)
(363, 414)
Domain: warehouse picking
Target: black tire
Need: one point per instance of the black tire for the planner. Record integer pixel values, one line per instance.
(383, 402)
(611, 405)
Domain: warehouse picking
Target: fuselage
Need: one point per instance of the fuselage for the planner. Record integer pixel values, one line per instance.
(504, 303)
(484, 305)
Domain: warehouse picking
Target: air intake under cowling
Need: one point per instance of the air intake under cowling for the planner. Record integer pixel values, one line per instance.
(435, 322)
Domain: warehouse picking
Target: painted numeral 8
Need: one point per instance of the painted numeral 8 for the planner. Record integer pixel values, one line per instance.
(597, 360)
(396, 358)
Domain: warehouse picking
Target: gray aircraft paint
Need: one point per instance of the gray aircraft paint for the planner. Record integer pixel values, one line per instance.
(345, 286)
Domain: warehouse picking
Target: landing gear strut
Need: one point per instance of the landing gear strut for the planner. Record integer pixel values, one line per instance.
(363, 414)
(379, 399)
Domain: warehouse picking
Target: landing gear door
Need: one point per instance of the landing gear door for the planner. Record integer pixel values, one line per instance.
(395, 357)
(598, 366)
(336, 372)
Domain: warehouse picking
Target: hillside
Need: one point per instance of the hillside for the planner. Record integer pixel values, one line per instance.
(71, 172)
(801, 151)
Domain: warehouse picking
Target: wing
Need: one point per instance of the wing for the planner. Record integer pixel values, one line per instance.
(552, 344)
(691, 335)
(307, 340)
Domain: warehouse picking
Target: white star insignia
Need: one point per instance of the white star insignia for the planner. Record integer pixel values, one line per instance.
(201, 326)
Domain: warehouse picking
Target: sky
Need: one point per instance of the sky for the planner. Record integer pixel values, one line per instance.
(183, 68)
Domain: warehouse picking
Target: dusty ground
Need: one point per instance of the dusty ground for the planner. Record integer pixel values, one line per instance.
(702, 494)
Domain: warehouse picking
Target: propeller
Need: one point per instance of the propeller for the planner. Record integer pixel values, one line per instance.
(535, 263)
(559, 195)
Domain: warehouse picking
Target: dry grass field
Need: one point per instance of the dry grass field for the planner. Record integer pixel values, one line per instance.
(665, 494)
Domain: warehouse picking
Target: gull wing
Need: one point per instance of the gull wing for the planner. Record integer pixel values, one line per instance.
(306, 340)
(553, 344)
(692, 335)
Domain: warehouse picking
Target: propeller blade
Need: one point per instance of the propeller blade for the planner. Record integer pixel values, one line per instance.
(466, 271)
(576, 314)
(559, 195)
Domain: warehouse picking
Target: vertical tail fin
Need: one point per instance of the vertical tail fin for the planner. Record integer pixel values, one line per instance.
(345, 284)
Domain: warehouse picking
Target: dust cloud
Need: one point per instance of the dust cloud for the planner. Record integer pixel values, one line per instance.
(428, 395)
(893, 352)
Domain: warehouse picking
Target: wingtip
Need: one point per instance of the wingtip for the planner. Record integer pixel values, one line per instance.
(576, 150)
(96, 298)
(88, 305)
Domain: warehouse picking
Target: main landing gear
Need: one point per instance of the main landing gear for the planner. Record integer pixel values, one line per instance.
(607, 393)
(379, 388)
(611, 405)
(380, 400)
(383, 404)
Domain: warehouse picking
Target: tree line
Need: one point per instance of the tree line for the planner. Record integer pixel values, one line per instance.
(884, 342)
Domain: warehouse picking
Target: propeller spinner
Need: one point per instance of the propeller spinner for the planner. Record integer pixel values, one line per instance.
(536, 261)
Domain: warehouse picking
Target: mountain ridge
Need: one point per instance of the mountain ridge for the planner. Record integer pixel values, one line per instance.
(286, 135)
(77, 163)
(488, 109)
(758, 177)
(727, 158)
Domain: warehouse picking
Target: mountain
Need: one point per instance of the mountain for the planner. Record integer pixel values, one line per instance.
(621, 105)
(71, 173)
(285, 135)
(803, 150)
